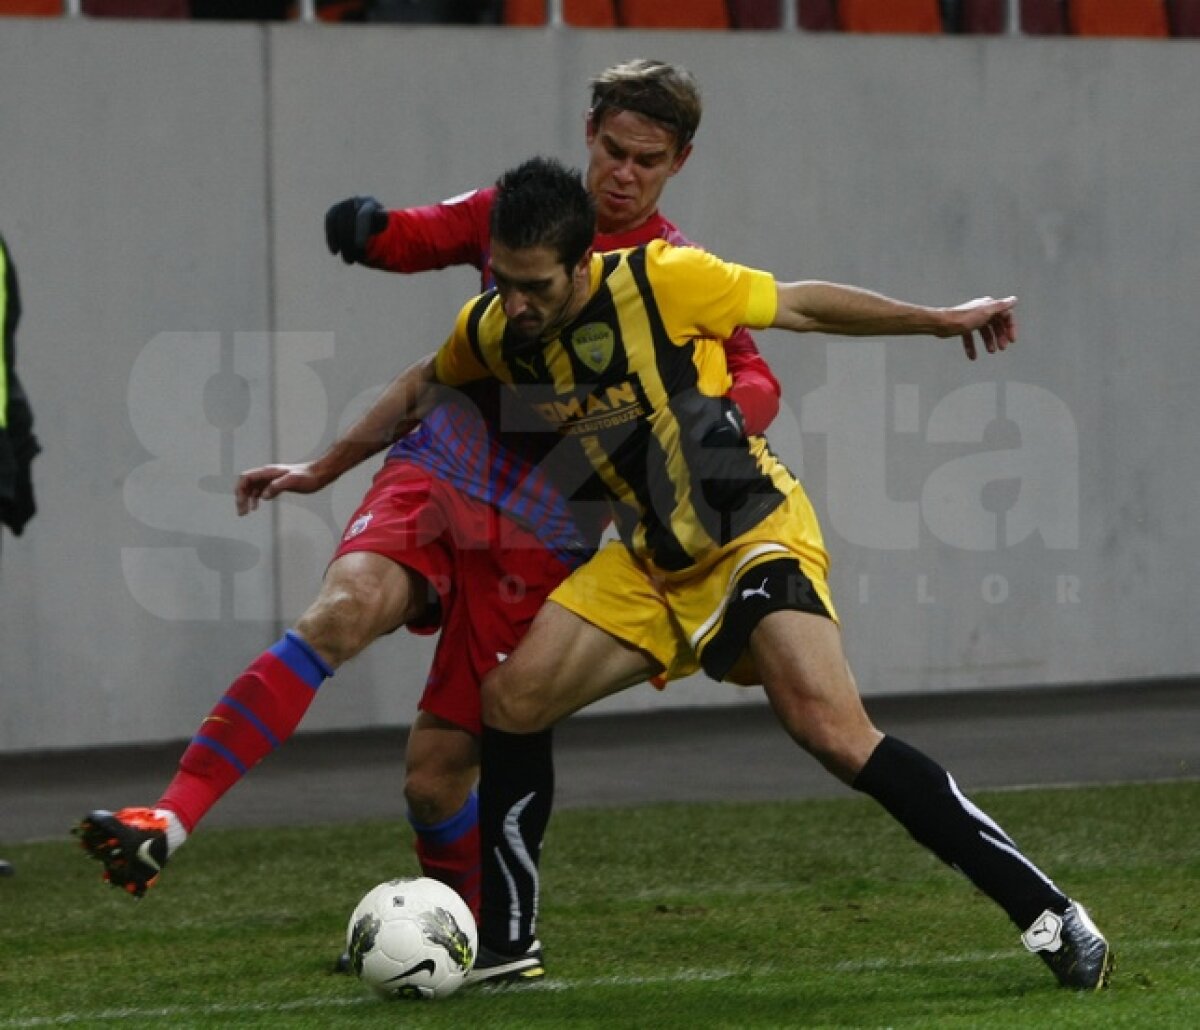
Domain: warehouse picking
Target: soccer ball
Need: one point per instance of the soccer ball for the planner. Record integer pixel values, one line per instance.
(412, 939)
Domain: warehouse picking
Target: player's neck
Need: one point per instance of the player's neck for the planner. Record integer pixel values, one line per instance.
(624, 229)
(582, 287)
(579, 299)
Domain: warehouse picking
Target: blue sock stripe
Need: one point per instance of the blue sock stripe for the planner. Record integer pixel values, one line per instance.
(221, 750)
(450, 830)
(297, 654)
(251, 718)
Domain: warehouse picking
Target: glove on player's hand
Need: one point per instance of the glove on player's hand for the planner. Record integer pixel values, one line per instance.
(350, 224)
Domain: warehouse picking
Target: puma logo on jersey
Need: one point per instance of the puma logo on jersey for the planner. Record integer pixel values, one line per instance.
(757, 592)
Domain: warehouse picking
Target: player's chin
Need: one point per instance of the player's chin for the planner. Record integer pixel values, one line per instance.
(526, 330)
(615, 207)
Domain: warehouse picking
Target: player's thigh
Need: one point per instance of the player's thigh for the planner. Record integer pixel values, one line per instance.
(807, 679)
(564, 663)
(363, 596)
(441, 766)
(612, 592)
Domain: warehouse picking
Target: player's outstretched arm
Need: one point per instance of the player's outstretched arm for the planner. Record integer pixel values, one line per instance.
(850, 311)
(401, 405)
(412, 239)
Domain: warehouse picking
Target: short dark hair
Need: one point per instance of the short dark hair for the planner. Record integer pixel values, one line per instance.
(543, 203)
(666, 93)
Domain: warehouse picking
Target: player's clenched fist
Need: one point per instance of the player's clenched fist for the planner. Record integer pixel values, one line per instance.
(350, 224)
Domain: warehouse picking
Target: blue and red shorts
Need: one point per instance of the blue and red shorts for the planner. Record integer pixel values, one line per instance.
(489, 573)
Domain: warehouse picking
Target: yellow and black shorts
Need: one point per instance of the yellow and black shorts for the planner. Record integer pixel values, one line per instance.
(702, 617)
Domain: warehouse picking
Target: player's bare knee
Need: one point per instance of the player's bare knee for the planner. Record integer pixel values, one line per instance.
(431, 798)
(341, 622)
(512, 703)
(834, 729)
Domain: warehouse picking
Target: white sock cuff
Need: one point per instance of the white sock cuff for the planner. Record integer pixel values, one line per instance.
(176, 833)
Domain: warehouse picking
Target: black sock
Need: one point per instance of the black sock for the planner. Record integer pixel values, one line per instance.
(516, 792)
(926, 801)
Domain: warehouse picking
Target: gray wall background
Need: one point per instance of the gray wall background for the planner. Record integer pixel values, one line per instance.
(1028, 519)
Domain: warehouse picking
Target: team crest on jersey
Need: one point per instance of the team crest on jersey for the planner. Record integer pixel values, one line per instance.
(593, 344)
(358, 525)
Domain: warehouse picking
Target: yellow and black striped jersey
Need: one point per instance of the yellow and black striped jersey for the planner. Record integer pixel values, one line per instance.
(636, 378)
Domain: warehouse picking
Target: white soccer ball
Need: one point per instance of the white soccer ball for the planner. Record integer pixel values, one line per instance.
(412, 939)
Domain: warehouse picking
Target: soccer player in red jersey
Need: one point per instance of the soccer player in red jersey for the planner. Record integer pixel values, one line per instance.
(466, 527)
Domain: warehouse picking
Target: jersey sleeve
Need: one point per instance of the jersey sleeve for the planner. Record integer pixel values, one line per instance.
(755, 389)
(701, 295)
(419, 239)
(457, 361)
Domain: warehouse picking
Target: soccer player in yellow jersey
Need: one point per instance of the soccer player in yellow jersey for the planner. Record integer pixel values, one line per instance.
(720, 565)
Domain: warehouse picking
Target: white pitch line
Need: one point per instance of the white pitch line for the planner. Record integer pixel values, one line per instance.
(683, 976)
(185, 1011)
(303, 1004)
(974, 957)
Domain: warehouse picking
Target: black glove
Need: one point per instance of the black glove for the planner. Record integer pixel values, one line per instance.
(729, 430)
(350, 224)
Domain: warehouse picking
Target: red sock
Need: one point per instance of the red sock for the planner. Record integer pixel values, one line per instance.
(261, 709)
(449, 851)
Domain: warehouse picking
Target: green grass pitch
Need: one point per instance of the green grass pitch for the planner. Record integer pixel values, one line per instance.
(799, 914)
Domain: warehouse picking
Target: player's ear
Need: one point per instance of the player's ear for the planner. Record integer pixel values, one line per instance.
(681, 159)
(589, 126)
(584, 266)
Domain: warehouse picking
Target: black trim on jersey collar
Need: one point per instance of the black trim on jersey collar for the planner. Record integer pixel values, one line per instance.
(482, 303)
